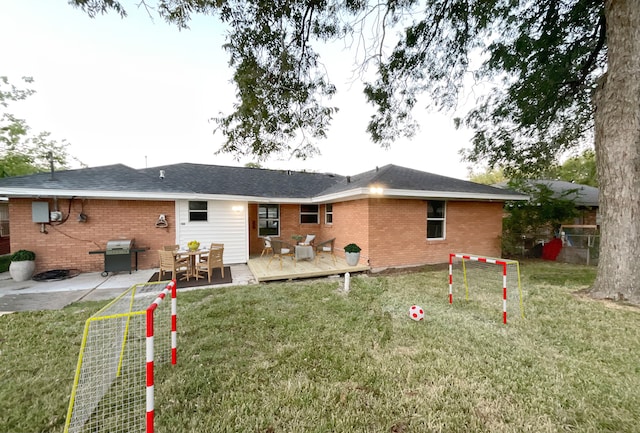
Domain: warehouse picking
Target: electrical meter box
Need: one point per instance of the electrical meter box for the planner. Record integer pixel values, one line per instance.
(40, 211)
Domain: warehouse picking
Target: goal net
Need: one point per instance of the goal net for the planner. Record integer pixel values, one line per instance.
(486, 278)
(113, 389)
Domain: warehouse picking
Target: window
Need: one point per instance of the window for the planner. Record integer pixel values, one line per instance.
(197, 211)
(269, 220)
(435, 219)
(309, 214)
(328, 214)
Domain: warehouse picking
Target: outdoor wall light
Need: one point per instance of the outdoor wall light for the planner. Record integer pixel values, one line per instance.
(376, 190)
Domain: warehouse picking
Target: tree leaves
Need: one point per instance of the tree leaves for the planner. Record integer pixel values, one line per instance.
(542, 59)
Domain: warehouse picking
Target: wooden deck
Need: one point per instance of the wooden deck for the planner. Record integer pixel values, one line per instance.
(302, 268)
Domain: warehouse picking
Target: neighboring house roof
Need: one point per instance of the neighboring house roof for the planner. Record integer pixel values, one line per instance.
(581, 195)
(199, 181)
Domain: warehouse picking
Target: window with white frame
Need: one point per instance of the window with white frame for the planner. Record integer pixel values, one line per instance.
(309, 214)
(269, 220)
(197, 211)
(436, 219)
(328, 213)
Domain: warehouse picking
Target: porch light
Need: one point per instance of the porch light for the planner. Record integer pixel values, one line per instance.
(376, 190)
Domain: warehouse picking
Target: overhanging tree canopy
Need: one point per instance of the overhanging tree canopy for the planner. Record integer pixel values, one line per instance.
(547, 59)
(544, 58)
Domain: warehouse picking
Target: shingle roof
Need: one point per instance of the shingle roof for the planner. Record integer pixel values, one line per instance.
(402, 178)
(252, 182)
(117, 177)
(198, 180)
(581, 195)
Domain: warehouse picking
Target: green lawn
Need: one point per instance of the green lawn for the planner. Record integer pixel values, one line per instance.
(304, 357)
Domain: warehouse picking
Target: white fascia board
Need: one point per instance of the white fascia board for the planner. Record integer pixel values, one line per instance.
(116, 195)
(352, 194)
(421, 194)
(139, 195)
(108, 195)
(453, 195)
(283, 200)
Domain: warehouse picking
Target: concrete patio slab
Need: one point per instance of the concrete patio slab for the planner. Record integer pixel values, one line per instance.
(92, 286)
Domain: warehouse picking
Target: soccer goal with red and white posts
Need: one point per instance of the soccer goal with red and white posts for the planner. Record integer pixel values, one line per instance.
(486, 277)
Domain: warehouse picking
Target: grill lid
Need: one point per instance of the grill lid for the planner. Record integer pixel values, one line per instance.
(119, 246)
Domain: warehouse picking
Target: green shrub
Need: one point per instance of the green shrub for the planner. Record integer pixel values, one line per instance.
(22, 255)
(352, 248)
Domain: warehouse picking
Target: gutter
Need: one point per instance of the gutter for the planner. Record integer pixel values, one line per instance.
(354, 194)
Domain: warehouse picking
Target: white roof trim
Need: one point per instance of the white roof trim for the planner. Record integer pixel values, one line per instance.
(410, 193)
(353, 194)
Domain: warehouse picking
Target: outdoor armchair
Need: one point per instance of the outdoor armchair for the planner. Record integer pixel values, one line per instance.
(280, 249)
(267, 246)
(326, 248)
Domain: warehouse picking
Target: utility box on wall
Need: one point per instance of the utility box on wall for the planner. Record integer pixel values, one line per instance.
(40, 211)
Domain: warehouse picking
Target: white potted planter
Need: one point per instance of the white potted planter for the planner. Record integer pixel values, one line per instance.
(23, 264)
(352, 254)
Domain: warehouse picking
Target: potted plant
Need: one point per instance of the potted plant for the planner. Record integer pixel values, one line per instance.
(352, 254)
(23, 263)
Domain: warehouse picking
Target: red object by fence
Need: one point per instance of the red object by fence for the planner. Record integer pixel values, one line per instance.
(551, 249)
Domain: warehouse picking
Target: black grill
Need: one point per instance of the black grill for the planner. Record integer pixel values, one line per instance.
(117, 255)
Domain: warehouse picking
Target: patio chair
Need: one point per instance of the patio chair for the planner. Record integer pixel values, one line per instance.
(309, 239)
(326, 248)
(213, 261)
(267, 246)
(203, 256)
(168, 263)
(174, 249)
(280, 249)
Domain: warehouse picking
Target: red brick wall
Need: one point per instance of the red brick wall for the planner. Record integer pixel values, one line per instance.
(351, 224)
(398, 236)
(393, 232)
(67, 245)
(587, 216)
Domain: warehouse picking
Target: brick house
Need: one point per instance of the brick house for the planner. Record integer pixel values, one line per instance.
(398, 216)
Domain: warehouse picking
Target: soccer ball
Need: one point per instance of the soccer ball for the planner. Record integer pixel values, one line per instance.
(416, 313)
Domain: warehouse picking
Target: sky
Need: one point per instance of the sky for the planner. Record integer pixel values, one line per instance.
(139, 92)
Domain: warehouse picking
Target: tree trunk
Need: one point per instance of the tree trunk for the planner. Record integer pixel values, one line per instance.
(617, 138)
